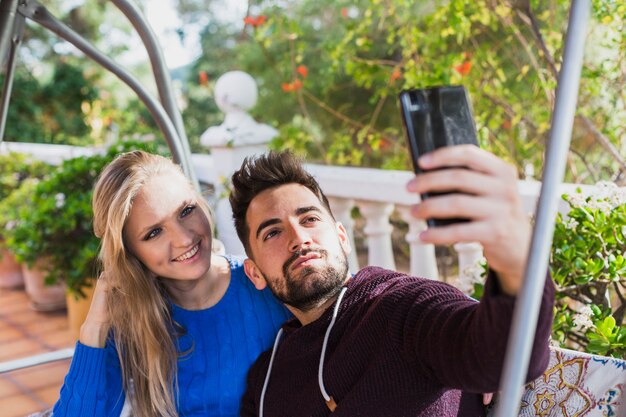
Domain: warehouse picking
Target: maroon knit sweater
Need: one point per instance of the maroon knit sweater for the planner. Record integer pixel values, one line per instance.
(401, 346)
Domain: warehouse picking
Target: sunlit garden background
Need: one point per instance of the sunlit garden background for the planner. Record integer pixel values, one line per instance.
(328, 74)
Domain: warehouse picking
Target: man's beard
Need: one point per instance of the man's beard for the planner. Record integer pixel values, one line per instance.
(311, 287)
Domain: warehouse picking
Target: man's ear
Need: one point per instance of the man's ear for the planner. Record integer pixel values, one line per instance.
(254, 274)
(344, 239)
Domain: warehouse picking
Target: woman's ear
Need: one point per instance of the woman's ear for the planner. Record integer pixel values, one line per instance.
(253, 273)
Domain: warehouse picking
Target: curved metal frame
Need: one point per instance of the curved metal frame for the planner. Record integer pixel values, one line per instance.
(169, 122)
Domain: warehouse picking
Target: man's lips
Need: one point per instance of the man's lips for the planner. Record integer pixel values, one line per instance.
(305, 258)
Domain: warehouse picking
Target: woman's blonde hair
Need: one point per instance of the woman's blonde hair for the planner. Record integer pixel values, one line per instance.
(140, 313)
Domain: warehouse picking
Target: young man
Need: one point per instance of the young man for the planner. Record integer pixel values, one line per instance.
(381, 343)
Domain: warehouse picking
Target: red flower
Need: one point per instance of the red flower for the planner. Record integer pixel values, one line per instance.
(292, 86)
(463, 68)
(344, 12)
(255, 22)
(303, 70)
(396, 74)
(203, 78)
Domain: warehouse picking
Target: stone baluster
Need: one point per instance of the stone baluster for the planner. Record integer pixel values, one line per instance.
(469, 255)
(378, 232)
(237, 137)
(342, 210)
(423, 260)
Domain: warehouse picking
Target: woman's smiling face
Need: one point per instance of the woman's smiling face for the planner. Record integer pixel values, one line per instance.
(167, 230)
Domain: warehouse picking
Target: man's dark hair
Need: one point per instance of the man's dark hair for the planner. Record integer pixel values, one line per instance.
(263, 172)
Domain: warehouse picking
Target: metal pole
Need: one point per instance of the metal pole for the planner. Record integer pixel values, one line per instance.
(528, 302)
(35, 360)
(8, 11)
(161, 73)
(7, 87)
(36, 12)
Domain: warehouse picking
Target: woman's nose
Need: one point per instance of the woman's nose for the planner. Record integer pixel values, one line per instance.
(183, 236)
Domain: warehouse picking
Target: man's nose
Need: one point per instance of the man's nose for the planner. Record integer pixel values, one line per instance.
(300, 238)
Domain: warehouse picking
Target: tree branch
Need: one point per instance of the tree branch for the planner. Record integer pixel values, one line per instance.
(603, 141)
(528, 17)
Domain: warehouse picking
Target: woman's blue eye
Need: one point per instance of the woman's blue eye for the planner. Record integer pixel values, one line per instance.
(187, 210)
(152, 233)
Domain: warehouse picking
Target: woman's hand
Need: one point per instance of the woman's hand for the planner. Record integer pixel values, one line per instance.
(95, 329)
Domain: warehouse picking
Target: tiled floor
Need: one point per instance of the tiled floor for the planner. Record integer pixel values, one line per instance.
(25, 332)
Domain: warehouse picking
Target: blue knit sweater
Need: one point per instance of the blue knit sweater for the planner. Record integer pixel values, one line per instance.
(227, 338)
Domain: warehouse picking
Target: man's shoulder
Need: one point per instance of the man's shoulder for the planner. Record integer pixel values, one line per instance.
(377, 276)
(381, 282)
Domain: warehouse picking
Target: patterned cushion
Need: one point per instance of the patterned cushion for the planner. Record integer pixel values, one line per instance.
(577, 384)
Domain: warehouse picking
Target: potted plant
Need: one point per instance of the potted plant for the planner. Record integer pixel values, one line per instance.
(55, 227)
(15, 168)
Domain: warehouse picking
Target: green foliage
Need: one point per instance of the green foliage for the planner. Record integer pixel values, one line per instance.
(588, 265)
(15, 168)
(359, 55)
(52, 112)
(52, 218)
(24, 109)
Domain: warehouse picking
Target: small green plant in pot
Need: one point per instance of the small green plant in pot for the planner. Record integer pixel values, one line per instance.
(56, 224)
(15, 170)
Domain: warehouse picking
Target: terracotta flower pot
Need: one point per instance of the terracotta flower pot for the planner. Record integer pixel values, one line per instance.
(10, 271)
(43, 297)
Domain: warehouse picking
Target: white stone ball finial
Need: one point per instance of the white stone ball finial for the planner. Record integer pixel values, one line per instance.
(235, 91)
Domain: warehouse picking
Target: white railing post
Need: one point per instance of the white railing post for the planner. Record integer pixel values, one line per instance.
(378, 231)
(469, 255)
(342, 210)
(423, 260)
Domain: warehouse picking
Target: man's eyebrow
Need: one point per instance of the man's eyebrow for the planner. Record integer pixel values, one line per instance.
(299, 212)
(303, 210)
(265, 224)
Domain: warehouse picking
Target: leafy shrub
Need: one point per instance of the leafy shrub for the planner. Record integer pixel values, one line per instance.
(15, 169)
(53, 219)
(589, 268)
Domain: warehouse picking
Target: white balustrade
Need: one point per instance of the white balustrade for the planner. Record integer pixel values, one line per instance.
(378, 232)
(375, 192)
(423, 261)
(342, 210)
(469, 256)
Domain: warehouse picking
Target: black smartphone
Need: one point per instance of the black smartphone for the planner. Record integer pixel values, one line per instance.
(435, 117)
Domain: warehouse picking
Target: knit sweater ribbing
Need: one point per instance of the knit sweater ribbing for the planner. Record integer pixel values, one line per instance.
(226, 339)
(401, 346)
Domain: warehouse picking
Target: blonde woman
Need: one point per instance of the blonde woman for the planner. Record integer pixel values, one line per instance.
(172, 323)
